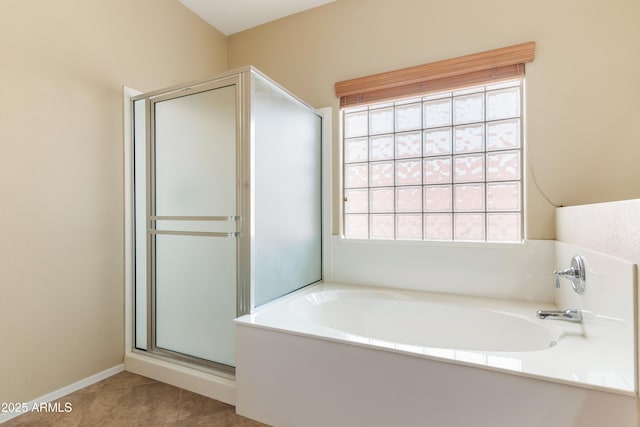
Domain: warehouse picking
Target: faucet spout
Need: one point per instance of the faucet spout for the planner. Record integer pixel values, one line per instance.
(570, 315)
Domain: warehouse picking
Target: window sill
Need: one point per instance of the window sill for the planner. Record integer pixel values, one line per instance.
(432, 243)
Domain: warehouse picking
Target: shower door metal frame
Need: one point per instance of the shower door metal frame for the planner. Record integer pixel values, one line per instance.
(239, 80)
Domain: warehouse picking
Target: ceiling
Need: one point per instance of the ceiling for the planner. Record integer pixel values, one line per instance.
(233, 16)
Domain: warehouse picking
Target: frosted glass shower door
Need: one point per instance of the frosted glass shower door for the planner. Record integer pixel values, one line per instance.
(194, 222)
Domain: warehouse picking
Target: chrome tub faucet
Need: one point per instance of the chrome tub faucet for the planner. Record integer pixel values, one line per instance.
(577, 275)
(570, 315)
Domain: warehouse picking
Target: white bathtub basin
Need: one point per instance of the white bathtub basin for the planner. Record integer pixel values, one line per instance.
(501, 335)
(433, 320)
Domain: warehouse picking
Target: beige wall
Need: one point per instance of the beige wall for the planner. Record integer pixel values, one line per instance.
(582, 90)
(62, 67)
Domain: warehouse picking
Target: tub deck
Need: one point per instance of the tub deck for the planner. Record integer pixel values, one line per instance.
(572, 360)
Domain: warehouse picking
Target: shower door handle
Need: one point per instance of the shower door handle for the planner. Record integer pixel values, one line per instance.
(195, 218)
(196, 233)
(231, 234)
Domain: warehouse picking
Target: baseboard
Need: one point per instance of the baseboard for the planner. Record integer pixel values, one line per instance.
(57, 394)
(203, 383)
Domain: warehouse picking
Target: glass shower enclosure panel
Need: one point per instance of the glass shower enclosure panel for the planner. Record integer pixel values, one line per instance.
(140, 221)
(288, 204)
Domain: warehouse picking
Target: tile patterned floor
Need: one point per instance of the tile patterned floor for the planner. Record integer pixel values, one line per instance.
(131, 400)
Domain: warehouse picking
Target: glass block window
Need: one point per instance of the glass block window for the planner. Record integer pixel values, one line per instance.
(447, 166)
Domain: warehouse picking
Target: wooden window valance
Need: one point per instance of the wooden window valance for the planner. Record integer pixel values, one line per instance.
(478, 68)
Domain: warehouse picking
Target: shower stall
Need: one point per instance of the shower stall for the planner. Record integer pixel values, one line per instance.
(227, 211)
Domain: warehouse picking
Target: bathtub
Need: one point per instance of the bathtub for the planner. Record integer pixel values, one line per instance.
(425, 323)
(347, 353)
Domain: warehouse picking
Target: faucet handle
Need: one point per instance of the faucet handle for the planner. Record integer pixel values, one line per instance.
(576, 274)
(569, 273)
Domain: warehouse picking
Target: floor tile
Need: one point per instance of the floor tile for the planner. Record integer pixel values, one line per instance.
(130, 400)
(153, 403)
(193, 405)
